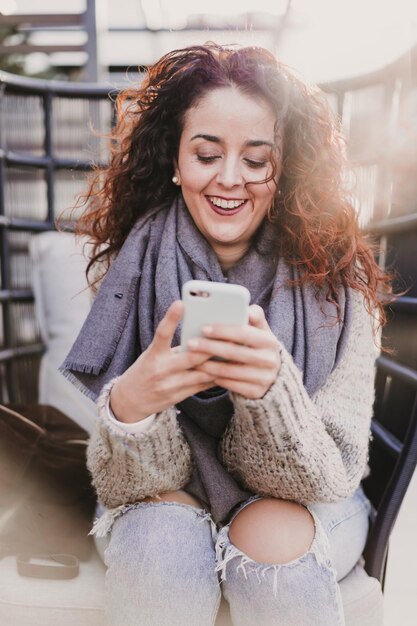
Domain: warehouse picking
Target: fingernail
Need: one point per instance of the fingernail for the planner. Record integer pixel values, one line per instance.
(193, 343)
(207, 330)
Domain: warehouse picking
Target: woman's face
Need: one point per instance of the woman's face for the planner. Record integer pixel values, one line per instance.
(226, 144)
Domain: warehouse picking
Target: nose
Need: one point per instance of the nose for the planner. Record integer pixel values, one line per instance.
(230, 173)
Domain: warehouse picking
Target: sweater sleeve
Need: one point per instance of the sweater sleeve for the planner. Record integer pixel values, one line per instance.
(127, 467)
(289, 446)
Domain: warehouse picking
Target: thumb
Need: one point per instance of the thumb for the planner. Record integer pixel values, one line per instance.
(166, 328)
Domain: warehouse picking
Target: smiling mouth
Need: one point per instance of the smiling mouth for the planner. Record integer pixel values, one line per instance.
(222, 206)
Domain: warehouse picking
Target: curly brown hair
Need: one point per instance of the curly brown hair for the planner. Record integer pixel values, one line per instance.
(316, 224)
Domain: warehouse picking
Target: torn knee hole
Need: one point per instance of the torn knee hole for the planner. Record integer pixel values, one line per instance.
(273, 531)
(229, 554)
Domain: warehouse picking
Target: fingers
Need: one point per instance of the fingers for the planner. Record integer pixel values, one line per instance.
(186, 392)
(178, 361)
(229, 351)
(252, 336)
(251, 344)
(167, 326)
(187, 360)
(249, 382)
(263, 377)
(186, 379)
(247, 390)
(250, 359)
(257, 317)
(177, 388)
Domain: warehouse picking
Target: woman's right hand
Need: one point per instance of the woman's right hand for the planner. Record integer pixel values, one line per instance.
(161, 376)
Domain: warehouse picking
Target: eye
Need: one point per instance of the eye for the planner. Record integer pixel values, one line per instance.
(255, 164)
(207, 159)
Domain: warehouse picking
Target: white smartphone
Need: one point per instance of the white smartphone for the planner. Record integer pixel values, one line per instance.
(208, 302)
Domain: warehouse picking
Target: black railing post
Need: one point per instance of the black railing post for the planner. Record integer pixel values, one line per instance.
(48, 149)
(8, 389)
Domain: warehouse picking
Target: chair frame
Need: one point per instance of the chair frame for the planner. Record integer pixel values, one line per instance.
(405, 453)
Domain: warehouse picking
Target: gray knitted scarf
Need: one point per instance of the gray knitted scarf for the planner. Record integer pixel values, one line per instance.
(163, 250)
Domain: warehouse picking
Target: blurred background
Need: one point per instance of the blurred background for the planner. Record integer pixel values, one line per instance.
(100, 39)
(363, 53)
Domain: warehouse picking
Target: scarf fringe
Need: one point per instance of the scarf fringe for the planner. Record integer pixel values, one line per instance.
(95, 370)
(77, 383)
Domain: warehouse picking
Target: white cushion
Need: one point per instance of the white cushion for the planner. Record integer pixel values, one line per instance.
(58, 391)
(362, 599)
(62, 302)
(60, 286)
(36, 602)
(80, 602)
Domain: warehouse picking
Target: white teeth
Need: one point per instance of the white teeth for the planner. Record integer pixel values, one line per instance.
(226, 204)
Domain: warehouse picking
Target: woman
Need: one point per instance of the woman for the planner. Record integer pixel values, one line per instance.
(239, 475)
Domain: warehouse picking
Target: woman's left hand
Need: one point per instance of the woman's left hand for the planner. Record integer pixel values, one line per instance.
(251, 355)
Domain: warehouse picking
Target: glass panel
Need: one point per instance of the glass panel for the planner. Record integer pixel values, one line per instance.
(404, 158)
(366, 122)
(20, 265)
(25, 329)
(1, 326)
(25, 193)
(25, 372)
(23, 124)
(68, 184)
(332, 100)
(77, 127)
(362, 183)
(4, 398)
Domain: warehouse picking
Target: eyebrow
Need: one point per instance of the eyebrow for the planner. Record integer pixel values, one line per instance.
(251, 143)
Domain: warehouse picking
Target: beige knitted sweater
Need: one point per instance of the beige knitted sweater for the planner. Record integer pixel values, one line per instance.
(286, 444)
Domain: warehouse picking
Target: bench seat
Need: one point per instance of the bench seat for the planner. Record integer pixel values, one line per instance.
(80, 601)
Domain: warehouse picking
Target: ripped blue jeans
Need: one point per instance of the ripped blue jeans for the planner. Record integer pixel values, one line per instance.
(168, 564)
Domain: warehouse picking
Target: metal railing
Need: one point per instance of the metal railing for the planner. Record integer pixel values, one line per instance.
(40, 164)
(86, 22)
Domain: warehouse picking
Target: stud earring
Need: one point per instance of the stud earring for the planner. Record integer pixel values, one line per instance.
(175, 180)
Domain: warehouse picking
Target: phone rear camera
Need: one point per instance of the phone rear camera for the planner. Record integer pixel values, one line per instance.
(200, 294)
